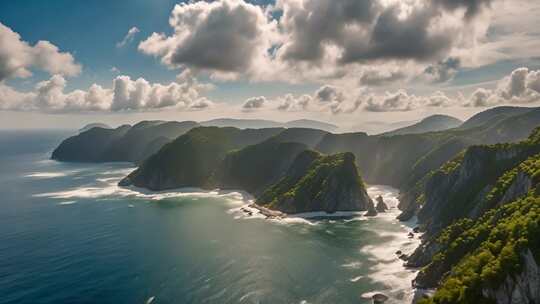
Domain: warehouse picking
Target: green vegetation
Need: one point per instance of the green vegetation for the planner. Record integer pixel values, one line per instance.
(486, 251)
(257, 166)
(472, 182)
(317, 182)
(125, 143)
(191, 159)
(477, 254)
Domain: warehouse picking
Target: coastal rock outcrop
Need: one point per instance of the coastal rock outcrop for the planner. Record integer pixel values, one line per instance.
(317, 182)
(381, 205)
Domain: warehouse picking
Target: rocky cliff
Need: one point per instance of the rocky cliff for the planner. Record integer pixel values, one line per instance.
(493, 259)
(486, 246)
(317, 182)
(466, 186)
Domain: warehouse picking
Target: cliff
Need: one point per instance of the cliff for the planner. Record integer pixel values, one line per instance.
(481, 212)
(317, 182)
(491, 260)
(466, 186)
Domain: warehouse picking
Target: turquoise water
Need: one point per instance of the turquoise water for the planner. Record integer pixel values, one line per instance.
(68, 234)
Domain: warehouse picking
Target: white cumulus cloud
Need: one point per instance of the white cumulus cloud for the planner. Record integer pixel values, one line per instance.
(18, 57)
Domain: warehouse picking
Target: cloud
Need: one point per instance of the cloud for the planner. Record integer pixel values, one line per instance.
(522, 86)
(254, 103)
(317, 40)
(444, 70)
(125, 95)
(225, 36)
(128, 38)
(289, 102)
(399, 101)
(379, 77)
(312, 24)
(327, 98)
(17, 57)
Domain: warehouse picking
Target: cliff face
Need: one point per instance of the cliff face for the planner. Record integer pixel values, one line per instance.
(467, 185)
(514, 184)
(521, 288)
(317, 182)
(489, 249)
(493, 259)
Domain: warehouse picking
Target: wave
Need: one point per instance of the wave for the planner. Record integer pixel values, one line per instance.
(388, 268)
(107, 187)
(46, 175)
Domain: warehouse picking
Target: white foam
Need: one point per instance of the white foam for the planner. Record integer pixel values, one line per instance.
(46, 174)
(388, 269)
(67, 203)
(352, 265)
(107, 187)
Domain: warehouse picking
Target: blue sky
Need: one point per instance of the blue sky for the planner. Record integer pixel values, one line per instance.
(345, 62)
(90, 31)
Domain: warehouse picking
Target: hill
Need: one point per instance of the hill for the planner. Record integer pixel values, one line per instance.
(493, 115)
(191, 159)
(125, 143)
(94, 125)
(431, 123)
(262, 123)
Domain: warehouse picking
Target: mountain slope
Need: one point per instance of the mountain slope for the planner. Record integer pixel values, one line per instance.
(493, 115)
(431, 123)
(88, 146)
(144, 139)
(257, 166)
(94, 125)
(311, 124)
(190, 160)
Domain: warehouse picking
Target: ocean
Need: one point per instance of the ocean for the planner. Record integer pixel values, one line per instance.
(69, 234)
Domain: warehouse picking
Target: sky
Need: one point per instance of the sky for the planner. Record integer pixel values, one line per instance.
(357, 63)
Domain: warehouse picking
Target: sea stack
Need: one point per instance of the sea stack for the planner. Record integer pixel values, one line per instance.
(381, 205)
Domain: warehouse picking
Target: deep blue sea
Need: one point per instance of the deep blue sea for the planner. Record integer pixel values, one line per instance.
(68, 234)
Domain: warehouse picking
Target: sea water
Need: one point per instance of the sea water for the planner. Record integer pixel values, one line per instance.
(69, 234)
